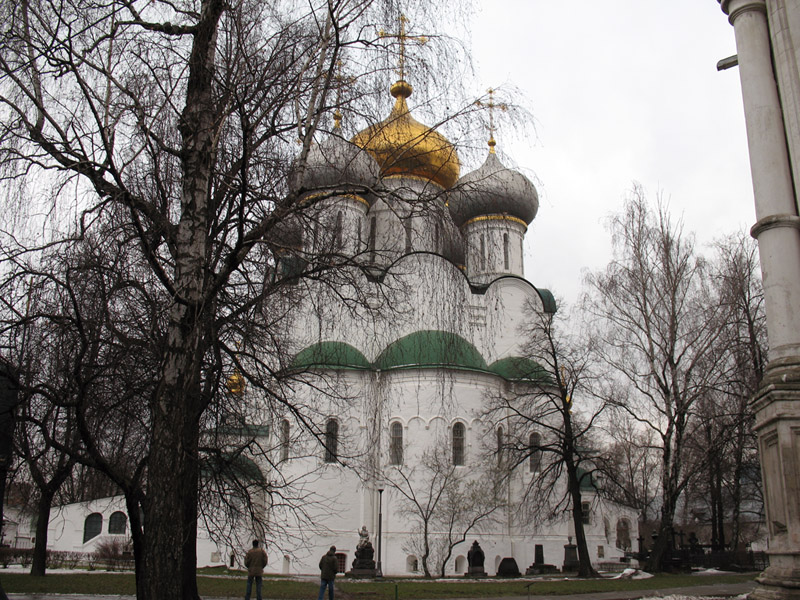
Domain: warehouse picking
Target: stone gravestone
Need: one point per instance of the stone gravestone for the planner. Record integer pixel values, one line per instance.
(508, 568)
(571, 563)
(364, 562)
(475, 559)
(539, 567)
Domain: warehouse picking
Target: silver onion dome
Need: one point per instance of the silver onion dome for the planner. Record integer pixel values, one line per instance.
(493, 189)
(335, 165)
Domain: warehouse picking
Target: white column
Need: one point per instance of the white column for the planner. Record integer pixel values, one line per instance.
(778, 226)
(777, 402)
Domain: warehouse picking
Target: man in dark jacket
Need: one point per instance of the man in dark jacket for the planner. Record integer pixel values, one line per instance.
(255, 560)
(328, 567)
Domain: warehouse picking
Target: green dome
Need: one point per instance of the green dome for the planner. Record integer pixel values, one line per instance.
(431, 348)
(517, 367)
(332, 355)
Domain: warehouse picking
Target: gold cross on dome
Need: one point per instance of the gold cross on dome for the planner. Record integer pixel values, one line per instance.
(491, 106)
(403, 36)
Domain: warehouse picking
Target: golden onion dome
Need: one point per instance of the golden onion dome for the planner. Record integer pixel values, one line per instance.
(236, 383)
(403, 146)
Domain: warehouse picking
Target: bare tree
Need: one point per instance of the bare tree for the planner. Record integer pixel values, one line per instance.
(657, 324)
(543, 434)
(628, 466)
(174, 122)
(444, 504)
(723, 444)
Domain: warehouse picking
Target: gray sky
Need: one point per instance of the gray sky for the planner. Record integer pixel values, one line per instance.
(621, 91)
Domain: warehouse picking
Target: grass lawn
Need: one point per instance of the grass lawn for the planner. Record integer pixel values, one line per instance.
(211, 584)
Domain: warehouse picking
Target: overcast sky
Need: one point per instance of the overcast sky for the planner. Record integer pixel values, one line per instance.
(621, 91)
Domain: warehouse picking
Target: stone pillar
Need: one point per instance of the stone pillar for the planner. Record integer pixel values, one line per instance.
(777, 403)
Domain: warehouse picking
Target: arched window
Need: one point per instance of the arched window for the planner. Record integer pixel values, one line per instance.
(359, 225)
(586, 510)
(505, 252)
(483, 252)
(623, 534)
(284, 439)
(459, 443)
(396, 444)
(535, 449)
(92, 526)
(331, 440)
(118, 522)
(373, 226)
(412, 564)
(500, 443)
(436, 237)
(407, 226)
(337, 231)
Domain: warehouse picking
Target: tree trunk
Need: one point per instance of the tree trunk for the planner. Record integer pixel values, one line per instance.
(39, 563)
(137, 537)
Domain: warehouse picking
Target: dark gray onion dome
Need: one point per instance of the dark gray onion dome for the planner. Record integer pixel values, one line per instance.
(335, 165)
(493, 189)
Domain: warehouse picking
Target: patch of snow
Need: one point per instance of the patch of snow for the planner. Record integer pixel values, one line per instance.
(633, 574)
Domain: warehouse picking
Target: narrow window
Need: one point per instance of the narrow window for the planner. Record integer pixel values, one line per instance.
(483, 252)
(499, 446)
(505, 252)
(535, 450)
(436, 237)
(586, 513)
(373, 225)
(331, 440)
(92, 526)
(407, 226)
(285, 439)
(117, 522)
(359, 224)
(396, 444)
(337, 231)
(458, 443)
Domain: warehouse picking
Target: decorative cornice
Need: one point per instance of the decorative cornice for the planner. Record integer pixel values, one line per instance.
(497, 218)
(333, 196)
(774, 221)
(742, 6)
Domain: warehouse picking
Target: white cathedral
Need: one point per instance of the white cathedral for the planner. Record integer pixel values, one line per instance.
(404, 377)
(398, 362)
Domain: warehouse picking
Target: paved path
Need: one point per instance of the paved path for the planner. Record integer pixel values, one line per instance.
(718, 590)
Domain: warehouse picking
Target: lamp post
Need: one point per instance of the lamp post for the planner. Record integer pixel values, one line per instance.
(378, 571)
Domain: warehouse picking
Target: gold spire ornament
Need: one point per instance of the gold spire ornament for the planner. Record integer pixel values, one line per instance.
(491, 105)
(403, 36)
(402, 146)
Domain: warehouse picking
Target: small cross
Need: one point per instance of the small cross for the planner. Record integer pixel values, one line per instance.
(402, 36)
(491, 106)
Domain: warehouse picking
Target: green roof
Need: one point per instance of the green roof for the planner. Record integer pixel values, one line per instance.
(548, 300)
(431, 348)
(233, 467)
(331, 355)
(427, 348)
(517, 367)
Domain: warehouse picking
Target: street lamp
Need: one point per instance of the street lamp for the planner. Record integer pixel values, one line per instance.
(378, 571)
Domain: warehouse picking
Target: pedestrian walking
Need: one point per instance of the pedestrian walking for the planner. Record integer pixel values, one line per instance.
(255, 560)
(328, 567)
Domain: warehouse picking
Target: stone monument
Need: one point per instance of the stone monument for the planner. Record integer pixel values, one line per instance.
(363, 563)
(571, 563)
(475, 559)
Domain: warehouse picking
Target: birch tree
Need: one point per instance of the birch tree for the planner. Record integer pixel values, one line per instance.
(656, 322)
